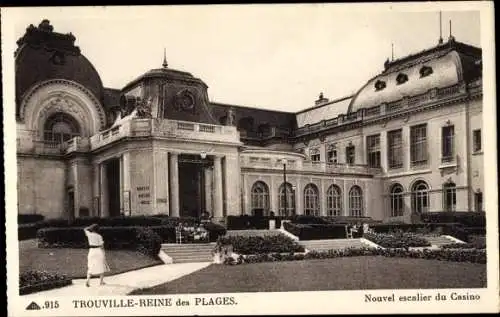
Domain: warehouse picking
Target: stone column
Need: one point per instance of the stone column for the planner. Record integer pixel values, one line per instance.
(96, 189)
(299, 209)
(208, 189)
(218, 201)
(126, 187)
(174, 184)
(104, 190)
(273, 195)
(232, 193)
(322, 198)
(160, 186)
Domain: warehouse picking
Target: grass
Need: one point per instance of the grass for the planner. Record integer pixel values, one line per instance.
(73, 262)
(352, 273)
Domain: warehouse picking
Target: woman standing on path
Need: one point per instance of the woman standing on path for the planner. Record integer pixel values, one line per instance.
(96, 261)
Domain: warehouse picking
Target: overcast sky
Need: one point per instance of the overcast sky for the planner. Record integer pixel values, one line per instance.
(270, 56)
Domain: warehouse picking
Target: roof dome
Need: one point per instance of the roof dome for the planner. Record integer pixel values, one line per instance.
(442, 66)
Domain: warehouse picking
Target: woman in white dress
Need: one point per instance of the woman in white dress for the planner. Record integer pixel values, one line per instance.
(96, 261)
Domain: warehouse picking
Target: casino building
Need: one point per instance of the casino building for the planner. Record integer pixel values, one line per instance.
(407, 142)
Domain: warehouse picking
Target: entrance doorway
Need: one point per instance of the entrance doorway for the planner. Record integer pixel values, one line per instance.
(192, 185)
(113, 182)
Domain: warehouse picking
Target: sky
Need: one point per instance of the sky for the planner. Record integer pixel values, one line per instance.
(267, 56)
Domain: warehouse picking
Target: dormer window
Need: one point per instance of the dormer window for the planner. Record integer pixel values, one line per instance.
(425, 71)
(402, 78)
(379, 85)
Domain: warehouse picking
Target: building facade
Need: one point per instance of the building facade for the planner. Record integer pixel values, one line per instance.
(408, 142)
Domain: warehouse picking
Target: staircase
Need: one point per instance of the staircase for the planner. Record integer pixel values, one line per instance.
(333, 244)
(438, 241)
(189, 252)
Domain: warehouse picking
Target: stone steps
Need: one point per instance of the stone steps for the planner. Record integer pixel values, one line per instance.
(333, 244)
(189, 252)
(439, 240)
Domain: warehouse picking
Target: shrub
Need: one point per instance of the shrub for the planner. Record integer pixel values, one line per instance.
(467, 219)
(477, 239)
(36, 281)
(397, 240)
(463, 246)
(245, 222)
(316, 231)
(29, 218)
(104, 222)
(214, 231)
(261, 244)
(133, 238)
(27, 231)
(350, 220)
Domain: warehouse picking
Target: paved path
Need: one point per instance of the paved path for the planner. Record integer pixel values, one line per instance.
(122, 284)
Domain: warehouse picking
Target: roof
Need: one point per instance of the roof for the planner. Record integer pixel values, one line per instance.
(165, 72)
(111, 98)
(438, 67)
(329, 110)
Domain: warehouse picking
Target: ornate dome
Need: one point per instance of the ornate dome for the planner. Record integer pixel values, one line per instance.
(442, 66)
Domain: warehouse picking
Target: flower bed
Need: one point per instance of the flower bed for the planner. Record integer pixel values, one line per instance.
(464, 246)
(397, 240)
(37, 281)
(316, 231)
(147, 240)
(472, 256)
(261, 244)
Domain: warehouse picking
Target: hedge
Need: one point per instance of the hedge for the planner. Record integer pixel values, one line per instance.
(472, 256)
(397, 240)
(37, 281)
(463, 246)
(27, 231)
(261, 244)
(29, 218)
(316, 231)
(147, 240)
(467, 219)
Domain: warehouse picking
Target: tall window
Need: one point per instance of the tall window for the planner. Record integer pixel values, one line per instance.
(333, 201)
(350, 151)
(447, 142)
(289, 195)
(260, 197)
(397, 200)
(373, 150)
(476, 136)
(449, 197)
(355, 202)
(332, 154)
(311, 200)
(418, 145)
(314, 155)
(420, 197)
(395, 148)
(478, 201)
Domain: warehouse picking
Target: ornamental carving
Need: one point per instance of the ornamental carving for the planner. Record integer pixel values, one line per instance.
(184, 100)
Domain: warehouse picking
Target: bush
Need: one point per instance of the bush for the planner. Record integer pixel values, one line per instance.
(214, 231)
(246, 222)
(37, 281)
(477, 239)
(29, 218)
(316, 231)
(467, 219)
(261, 244)
(463, 246)
(27, 231)
(350, 220)
(133, 238)
(397, 240)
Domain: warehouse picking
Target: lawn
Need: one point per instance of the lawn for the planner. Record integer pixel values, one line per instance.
(73, 262)
(350, 273)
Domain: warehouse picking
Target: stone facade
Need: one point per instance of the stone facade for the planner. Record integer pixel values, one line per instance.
(159, 146)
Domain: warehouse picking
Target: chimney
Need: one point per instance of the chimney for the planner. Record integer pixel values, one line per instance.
(321, 100)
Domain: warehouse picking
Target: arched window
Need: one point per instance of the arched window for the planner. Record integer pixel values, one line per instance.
(333, 201)
(397, 200)
(355, 202)
(420, 197)
(311, 200)
(449, 196)
(60, 127)
(260, 197)
(286, 200)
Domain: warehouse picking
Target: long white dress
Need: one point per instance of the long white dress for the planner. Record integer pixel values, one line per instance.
(96, 260)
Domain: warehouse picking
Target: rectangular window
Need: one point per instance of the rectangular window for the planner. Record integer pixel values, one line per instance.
(478, 202)
(315, 155)
(350, 154)
(332, 155)
(395, 148)
(447, 143)
(418, 144)
(476, 136)
(449, 197)
(373, 150)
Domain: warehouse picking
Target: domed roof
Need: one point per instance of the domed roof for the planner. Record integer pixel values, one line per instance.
(442, 66)
(43, 54)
